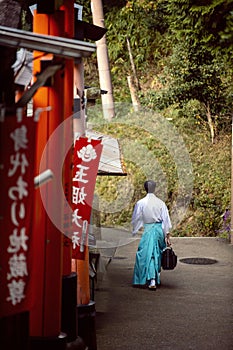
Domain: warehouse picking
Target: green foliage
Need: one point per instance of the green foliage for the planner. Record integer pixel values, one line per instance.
(197, 68)
(139, 35)
(183, 55)
(212, 184)
(142, 24)
(211, 170)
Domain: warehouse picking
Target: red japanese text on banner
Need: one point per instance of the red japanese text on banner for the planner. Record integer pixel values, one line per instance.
(17, 145)
(86, 161)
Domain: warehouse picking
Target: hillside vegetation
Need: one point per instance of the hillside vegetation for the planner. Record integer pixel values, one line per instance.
(183, 57)
(210, 177)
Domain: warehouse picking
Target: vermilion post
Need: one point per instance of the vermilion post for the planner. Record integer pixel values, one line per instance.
(68, 8)
(39, 219)
(81, 267)
(54, 251)
(83, 279)
(46, 314)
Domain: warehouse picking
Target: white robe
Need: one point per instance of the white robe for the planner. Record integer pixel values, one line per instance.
(150, 209)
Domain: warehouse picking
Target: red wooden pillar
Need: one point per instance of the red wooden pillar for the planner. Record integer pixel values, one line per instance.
(46, 315)
(39, 219)
(68, 8)
(69, 281)
(54, 237)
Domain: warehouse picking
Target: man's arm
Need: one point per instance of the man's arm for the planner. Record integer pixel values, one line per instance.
(136, 219)
(166, 224)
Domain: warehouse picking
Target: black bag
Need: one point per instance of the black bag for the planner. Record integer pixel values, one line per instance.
(169, 259)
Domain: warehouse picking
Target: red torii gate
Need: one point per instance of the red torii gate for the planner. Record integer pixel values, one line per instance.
(52, 258)
(55, 247)
(45, 317)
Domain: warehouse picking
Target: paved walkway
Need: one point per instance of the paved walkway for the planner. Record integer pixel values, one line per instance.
(192, 309)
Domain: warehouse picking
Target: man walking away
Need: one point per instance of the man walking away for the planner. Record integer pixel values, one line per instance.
(152, 214)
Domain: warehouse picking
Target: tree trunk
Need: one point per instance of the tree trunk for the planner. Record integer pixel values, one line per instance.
(210, 123)
(133, 93)
(103, 62)
(133, 65)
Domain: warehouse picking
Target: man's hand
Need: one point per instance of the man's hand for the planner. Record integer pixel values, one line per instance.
(167, 240)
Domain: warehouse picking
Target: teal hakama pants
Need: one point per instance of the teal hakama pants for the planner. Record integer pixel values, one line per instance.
(149, 253)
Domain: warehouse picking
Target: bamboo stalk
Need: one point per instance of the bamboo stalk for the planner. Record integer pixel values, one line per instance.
(137, 84)
(133, 93)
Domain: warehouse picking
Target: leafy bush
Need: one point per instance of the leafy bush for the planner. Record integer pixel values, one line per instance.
(183, 56)
(211, 170)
